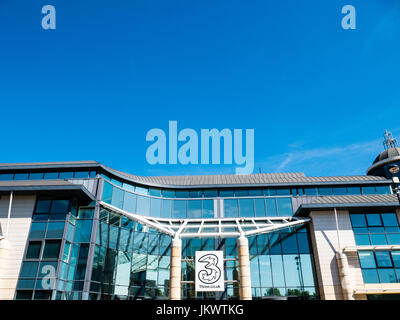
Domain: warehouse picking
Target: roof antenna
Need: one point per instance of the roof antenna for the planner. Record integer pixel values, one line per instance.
(389, 141)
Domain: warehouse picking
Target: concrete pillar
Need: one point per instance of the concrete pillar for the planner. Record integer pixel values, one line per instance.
(344, 274)
(244, 269)
(175, 270)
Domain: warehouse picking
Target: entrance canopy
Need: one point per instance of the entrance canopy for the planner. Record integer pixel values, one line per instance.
(209, 228)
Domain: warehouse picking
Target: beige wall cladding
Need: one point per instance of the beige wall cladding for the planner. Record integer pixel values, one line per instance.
(325, 244)
(13, 246)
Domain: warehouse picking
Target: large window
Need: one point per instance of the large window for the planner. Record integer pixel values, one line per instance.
(380, 266)
(376, 228)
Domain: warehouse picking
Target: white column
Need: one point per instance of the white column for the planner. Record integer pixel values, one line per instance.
(344, 273)
(175, 269)
(244, 269)
(9, 212)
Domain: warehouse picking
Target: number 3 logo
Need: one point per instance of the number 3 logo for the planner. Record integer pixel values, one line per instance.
(211, 273)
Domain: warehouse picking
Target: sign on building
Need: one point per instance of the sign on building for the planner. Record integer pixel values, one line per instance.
(209, 267)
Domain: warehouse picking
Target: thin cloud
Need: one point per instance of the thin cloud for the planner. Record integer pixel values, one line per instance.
(350, 159)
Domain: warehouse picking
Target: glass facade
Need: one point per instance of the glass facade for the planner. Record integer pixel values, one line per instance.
(376, 229)
(380, 266)
(83, 251)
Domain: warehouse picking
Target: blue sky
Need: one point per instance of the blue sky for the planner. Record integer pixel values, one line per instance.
(318, 97)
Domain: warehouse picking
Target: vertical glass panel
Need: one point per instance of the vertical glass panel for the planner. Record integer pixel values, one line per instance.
(277, 271)
(37, 230)
(387, 275)
(302, 240)
(393, 238)
(51, 249)
(59, 207)
(396, 258)
(83, 231)
(113, 238)
(163, 271)
(82, 262)
(179, 209)
(29, 269)
(85, 213)
(383, 259)
(123, 269)
(231, 209)
(67, 248)
(362, 239)
(370, 275)
(155, 207)
(271, 207)
(289, 243)
(284, 207)
(358, 220)
(33, 251)
(246, 207)
(265, 271)
(292, 270)
(389, 220)
(70, 232)
(194, 209)
(117, 197)
(55, 230)
(255, 272)
(307, 270)
(166, 210)
(107, 192)
(143, 205)
(378, 239)
(259, 205)
(367, 259)
(208, 208)
(130, 202)
(373, 220)
(43, 206)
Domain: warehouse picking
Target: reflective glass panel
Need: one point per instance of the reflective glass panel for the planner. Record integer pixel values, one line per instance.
(246, 207)
(231, 208)
(179, 209)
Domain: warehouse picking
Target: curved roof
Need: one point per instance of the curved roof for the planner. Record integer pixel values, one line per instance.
(202, 181)
(387, 156)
